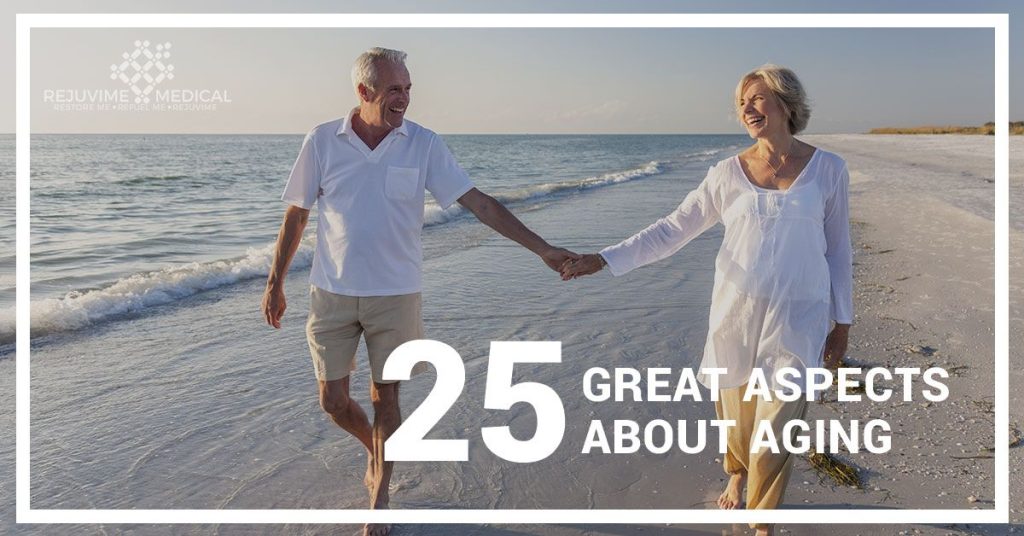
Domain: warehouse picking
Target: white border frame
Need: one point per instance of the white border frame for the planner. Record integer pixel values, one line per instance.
(998, 22)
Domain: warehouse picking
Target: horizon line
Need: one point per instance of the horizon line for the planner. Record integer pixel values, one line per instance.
(441, 133)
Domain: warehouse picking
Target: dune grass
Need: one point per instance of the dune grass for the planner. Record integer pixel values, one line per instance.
(1016, 127)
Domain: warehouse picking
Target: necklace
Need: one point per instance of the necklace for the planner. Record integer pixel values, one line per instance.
(782, 161)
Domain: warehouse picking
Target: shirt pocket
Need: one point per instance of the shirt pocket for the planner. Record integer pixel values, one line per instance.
(401, 182)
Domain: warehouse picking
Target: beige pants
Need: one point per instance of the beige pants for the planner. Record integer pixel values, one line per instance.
(767, 472)
(336, 322)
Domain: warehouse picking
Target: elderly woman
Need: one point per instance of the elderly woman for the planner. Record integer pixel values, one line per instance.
(783, 282)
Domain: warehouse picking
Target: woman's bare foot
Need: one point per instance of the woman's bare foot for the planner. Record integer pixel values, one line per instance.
(732, 497)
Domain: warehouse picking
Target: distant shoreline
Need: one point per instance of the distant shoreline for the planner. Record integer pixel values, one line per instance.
(1016, 128)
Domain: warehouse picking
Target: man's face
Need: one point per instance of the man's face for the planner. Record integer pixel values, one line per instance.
(385, 105)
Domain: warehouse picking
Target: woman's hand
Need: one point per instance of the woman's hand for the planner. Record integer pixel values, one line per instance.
(835, 346)
(586, 265)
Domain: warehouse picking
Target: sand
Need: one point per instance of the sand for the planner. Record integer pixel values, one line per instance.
(922, 213)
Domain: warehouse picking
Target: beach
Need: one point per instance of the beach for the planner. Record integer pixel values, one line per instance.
(195, 403)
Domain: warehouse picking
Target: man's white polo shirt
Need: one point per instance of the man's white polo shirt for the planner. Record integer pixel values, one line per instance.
(371, 204)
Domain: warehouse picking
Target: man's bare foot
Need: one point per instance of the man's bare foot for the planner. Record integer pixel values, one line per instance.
(767, 530)
(376, 529)
(732, 497)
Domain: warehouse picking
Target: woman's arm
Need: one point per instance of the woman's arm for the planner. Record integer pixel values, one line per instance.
(697, 213)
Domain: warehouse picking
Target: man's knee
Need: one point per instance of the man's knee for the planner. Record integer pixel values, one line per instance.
(334, 404)
(334, 398)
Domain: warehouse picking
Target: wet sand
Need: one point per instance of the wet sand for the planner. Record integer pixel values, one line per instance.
(923, 237)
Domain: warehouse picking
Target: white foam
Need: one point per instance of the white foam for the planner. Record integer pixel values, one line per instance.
(76, 309)
(433, 215)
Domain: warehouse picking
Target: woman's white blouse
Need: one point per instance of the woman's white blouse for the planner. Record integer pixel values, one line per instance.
(784, 270)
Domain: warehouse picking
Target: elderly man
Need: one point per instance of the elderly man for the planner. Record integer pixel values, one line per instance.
(367, 173)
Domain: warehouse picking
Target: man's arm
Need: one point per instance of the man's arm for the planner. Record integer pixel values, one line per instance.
(288, 240)
(493, 214)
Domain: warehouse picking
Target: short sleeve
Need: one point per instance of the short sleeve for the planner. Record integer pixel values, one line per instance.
(303, 185)
(446, 180)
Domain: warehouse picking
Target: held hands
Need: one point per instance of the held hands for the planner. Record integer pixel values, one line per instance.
(585, 265)
(555, 258)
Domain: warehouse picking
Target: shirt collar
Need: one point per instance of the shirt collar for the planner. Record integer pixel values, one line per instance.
(346, 126)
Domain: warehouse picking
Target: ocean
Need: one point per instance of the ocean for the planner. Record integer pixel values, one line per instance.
(157, 384)
(121, 224)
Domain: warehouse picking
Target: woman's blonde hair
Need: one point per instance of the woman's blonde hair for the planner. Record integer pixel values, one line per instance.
(786, 87)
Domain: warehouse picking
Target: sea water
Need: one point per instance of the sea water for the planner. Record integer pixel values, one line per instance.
(123, 223)
(156, 383)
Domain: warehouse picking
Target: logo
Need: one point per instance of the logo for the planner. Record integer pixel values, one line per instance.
(142, 69)
(140, 85)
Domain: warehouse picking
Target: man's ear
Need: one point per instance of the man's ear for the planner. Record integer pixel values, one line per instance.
(364, 92)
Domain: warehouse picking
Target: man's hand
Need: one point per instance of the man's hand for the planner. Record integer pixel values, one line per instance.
(585, 265)
(835, 346)
(274, 306)
(555, 258)
(295, 219)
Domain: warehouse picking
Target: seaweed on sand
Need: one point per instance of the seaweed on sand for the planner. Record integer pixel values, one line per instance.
(841, 472)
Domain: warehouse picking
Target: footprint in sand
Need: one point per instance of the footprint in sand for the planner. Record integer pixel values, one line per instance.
(926, 351)
(405, 483)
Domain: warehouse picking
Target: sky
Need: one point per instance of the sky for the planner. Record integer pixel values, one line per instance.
(474, 81)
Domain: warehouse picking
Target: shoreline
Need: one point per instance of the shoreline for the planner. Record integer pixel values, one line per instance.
(921, 271)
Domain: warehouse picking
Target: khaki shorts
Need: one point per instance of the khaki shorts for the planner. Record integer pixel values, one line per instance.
(336, 322)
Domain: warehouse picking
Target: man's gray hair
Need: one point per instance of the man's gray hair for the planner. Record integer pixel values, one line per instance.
(365, 69)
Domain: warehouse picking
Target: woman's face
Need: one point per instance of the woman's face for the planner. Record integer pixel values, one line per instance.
(761, 111)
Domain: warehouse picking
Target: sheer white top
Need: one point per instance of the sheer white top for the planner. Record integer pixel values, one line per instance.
(784, 270)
